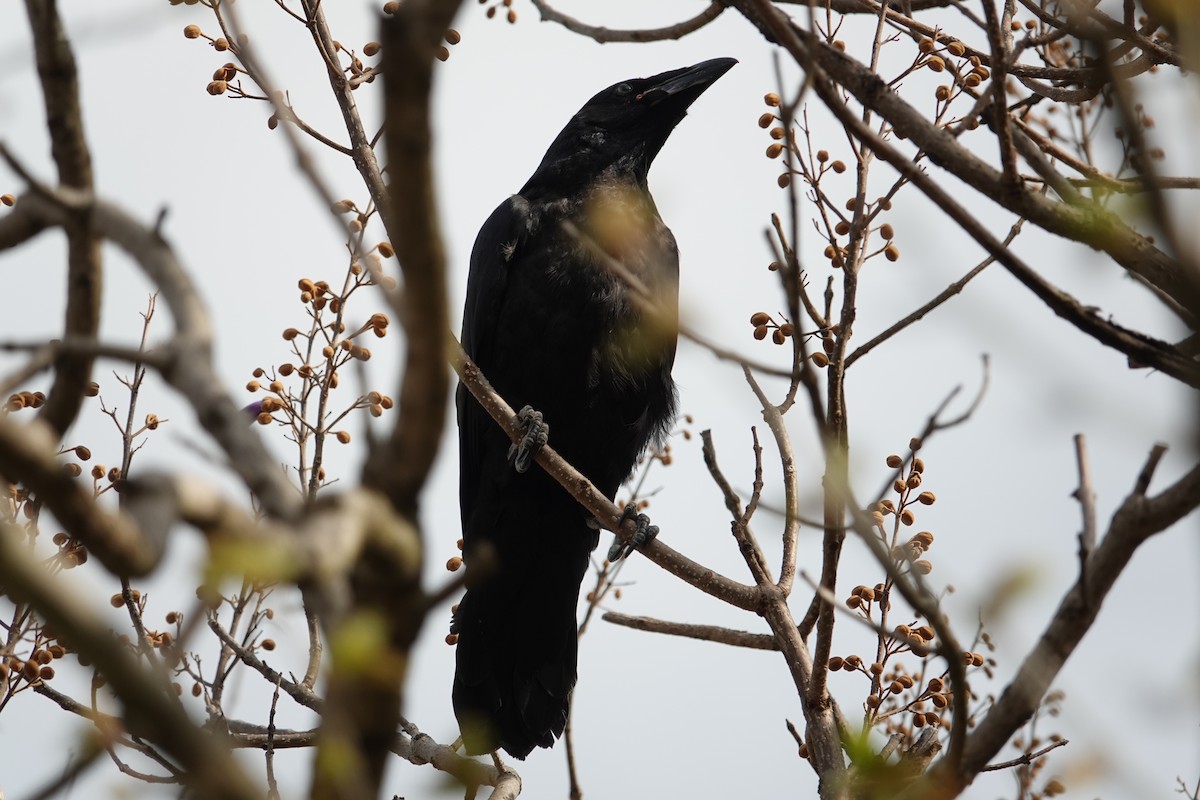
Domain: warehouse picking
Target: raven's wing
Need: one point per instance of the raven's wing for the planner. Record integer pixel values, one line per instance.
(486, 288)
(515, 663)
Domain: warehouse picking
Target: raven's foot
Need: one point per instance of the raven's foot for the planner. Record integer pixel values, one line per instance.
(534, 435)
(645, 532)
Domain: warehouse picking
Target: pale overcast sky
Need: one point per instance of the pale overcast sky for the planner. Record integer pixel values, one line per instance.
(654, 716)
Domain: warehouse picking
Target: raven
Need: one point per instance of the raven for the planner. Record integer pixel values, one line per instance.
(555, 330)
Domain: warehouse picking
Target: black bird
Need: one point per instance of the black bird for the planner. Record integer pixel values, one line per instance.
(555, 330)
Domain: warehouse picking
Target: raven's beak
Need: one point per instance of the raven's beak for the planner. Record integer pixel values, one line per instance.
(689, 82)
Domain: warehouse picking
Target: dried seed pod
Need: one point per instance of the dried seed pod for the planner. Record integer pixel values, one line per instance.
(192, 32)
(759, 318)
(955, 48)
(841, 228)
(836, 663)
(838, 166)
(819, 360)
(454, 563)
(935, 63)
(217, 87)
(927, 498)
(766, 119)
(772, 99)
(894, 461)
(268, 644)
(774, 149)
(371, 49)
(343, 437)
(891, 253)
(760, 332)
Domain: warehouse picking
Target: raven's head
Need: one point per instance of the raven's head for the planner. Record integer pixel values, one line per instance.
(624, 126)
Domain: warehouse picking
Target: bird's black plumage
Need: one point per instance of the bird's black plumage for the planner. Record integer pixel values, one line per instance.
(553, 328)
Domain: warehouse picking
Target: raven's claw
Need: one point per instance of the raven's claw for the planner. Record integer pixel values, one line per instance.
(645, 532)
(535, 434)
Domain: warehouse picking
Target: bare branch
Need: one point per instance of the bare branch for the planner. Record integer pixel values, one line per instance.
(604, 35)
(706, 633)
(60, 91)
(1026, 758)
(152, 710)
(1088, 224)
(703, 578)
(400, 465)
(1087, 503)
(1137, 519)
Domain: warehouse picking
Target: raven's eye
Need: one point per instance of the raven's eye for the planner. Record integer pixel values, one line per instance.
(623, 89)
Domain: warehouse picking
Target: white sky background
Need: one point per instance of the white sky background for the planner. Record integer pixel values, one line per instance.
(653, 715)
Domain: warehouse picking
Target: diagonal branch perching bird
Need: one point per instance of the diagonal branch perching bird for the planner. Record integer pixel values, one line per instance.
(556, 331)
